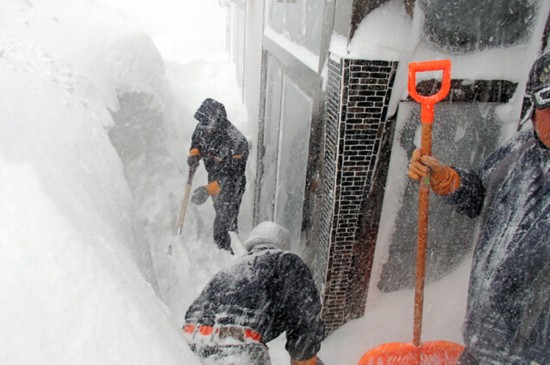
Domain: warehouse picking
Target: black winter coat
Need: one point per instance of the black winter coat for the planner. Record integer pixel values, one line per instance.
(508, 312)
(224, 153)
(270, 291)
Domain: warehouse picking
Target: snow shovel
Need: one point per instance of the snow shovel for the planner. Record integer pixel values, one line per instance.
(185, 200)
(433, 352)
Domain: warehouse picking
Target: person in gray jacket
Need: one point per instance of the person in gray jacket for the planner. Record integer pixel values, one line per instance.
(268, 291)
(508, 306)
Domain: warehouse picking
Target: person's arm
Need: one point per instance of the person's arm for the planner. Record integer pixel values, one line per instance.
(463, 189)
(443, 179)
(301, 306)
(195, 154)
(469, 197)
(230, 171)
(237, 163)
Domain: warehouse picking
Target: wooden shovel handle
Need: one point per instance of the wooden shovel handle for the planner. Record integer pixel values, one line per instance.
(185, 200)
(427, 117)
(422, 238)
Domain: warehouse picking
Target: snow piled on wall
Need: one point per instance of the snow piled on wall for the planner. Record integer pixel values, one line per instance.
(389, 34)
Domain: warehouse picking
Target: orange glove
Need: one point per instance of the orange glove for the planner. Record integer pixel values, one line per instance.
(311, 361)
(194, 157)
(443, 179)
(213, 188)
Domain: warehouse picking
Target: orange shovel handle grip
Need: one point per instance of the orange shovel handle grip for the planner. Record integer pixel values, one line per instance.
(428, 102)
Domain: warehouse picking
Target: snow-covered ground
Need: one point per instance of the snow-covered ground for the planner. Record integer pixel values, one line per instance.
(96, 105)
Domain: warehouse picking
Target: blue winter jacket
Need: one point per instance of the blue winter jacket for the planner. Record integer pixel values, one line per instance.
(508, 311)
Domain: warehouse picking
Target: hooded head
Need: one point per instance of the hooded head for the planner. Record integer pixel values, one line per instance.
(539, 76)
(268, 233)
(212, 115)
(537, 90)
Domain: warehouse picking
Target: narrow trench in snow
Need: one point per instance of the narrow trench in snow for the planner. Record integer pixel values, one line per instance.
(137, 136)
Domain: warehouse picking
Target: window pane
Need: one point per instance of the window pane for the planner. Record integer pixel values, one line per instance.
(463, 134)
(271, 139)
(276, 16)
(470, 25)
(300, 21)
(293, 154)
(314, 23)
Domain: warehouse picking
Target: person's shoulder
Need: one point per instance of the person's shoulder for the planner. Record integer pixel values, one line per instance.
(290, 255)
(198, 131)
(509, 149)
(289, 258)
(520, 139)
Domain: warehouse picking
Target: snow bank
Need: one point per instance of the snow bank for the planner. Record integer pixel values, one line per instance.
(72, 277)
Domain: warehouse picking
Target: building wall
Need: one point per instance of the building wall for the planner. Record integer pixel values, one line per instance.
(249, 75)
(253, 60)
(354, 151)
(358, 93)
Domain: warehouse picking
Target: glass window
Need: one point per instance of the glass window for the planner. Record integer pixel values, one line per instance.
(239, 36)
(293, 157)
(463, 134)
(471, 25)
(272, 116)
(299, 20)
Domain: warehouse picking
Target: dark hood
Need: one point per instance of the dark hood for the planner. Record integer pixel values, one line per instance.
(211, 108)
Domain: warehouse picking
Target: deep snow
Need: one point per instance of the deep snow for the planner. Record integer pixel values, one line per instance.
(97, 98)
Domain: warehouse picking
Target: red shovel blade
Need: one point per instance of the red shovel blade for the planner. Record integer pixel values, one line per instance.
(405, 353)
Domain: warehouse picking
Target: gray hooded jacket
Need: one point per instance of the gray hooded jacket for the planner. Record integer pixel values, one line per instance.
(268, 290)
(508, 313)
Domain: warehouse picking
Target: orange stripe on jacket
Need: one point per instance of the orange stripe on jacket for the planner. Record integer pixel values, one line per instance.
(310, 361)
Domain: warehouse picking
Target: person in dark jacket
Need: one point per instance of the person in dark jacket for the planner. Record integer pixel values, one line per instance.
(224, 151)
(508, 306)
(266, 292)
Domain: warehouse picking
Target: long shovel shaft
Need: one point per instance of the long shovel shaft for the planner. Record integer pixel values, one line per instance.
(432, 352)
(422, 239)
(185, 200)
(183, 208)
(426, 117)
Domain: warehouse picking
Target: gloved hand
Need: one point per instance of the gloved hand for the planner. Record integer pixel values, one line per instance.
(311, 361)
(200, 195)
(443, 179)
(194, 158)
(213, 188)
(193, 161)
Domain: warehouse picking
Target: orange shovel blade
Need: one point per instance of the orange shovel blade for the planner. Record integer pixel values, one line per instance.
(403, 353)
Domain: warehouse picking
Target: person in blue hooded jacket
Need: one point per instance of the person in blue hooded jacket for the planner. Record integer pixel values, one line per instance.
(508, 306)
(224, 151)
(266, 292)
